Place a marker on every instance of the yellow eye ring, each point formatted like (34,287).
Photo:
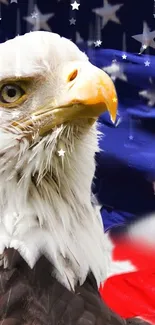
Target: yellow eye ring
(11,93)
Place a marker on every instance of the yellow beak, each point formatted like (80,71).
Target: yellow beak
(87,92)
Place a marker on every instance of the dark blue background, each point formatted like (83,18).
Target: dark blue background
(131,14)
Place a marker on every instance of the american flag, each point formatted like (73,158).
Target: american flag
(85,22)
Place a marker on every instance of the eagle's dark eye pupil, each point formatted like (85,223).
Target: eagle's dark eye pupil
(11,92)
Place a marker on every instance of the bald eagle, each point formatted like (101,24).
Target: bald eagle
(52,246)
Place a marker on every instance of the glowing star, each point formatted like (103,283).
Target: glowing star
(75,5)
(5,2)
(61,153)
(34,15)
(15,114)
(146,39)
(149,94)
(40,21)
(97,43)
(147,63)
(115,71)
(124,56)
(108,12)
(72,21)
(114,100)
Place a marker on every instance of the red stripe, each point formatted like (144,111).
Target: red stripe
(132,294)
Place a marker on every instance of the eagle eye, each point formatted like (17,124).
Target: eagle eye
(11,93)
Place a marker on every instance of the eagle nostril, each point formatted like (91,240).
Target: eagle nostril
(73,75)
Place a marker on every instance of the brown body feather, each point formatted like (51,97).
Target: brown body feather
(35,297)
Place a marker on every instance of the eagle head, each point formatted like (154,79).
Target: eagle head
(50,98)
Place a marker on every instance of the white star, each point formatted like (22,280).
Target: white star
(13,1)
(5,2)
(146,39)
(98,43)
(149,94)
(75,5)
(15,114)
(61,153)
(72,21)
(34,14)
(40,21)
(115,71)
(114,100)
(108,12)
(124,56)
(147,63)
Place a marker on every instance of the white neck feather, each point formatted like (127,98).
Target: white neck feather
(45,203)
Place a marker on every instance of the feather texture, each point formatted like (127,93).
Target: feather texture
(42,209)
(35,297)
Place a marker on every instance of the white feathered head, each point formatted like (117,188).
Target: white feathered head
(50,97)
